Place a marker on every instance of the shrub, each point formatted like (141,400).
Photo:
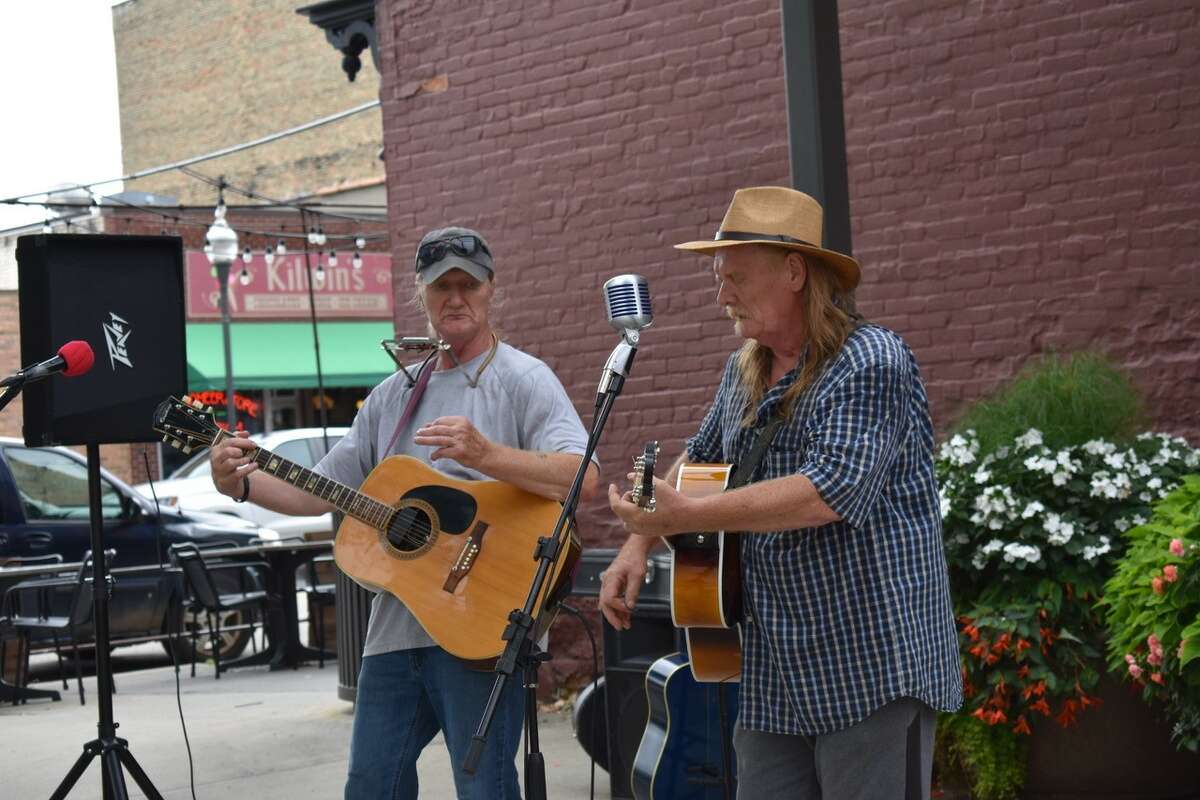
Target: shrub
(1153,611)
(1070,399)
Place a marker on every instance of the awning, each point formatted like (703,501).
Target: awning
(279,355)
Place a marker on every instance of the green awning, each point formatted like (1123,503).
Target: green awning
(279,355)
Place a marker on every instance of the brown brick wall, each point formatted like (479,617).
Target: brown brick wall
(1022,179)
(198,77)
(10,359)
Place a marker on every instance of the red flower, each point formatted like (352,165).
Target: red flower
(1066,717)
(1041,706)
(1022,726)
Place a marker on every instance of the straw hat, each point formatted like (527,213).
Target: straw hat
(777,216)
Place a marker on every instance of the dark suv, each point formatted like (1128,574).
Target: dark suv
(44,511)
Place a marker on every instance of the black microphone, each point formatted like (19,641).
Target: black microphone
(74,358)
(627,304)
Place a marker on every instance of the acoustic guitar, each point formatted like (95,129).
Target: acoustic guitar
(686,750)
(706,590)
(459,554)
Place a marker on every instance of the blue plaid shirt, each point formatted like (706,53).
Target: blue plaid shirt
(844,618)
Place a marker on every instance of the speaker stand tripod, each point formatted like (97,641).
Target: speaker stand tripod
(112,751)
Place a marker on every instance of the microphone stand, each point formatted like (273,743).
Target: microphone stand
(12,387)
(522,621)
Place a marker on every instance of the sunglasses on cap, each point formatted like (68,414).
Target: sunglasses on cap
(465,246)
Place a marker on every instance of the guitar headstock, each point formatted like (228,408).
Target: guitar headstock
(642,493)
(186,424)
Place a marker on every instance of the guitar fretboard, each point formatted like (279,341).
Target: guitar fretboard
(348,501)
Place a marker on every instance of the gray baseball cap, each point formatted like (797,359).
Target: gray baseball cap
(445,249)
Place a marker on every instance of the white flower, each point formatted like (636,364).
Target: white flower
(1098,447)
(1061,478)
(1033,508)
(991,547)
(1091,553)
(982,475)
(1031,438)
(945,504)
(1154,483)
(1138,519)
(1115,460)
(1026,552)
(979,561)
(959,451)
(1063,535)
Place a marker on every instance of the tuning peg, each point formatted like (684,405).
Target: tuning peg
(175,444)
(166,438)
(197,404)
(208,409)
(187,451)
(187,398)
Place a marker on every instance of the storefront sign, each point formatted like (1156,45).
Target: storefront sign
(280,290)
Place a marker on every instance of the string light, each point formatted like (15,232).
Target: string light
(244,276)
(357,260)
(332,259)
(46,227)
(269,256)
(280,248)
(312,235)
(94,208)
(360,242)
(247,256)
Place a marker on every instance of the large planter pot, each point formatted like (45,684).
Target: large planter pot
(1119,751)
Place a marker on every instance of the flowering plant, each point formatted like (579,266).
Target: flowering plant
(1031,535)
(1153,610)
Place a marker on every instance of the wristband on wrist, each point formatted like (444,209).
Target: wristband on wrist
(245,490)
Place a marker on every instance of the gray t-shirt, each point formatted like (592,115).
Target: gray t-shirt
(518,402)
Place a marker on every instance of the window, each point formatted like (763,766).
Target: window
(52,485)
(296,451)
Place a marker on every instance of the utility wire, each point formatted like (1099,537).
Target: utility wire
(225,151)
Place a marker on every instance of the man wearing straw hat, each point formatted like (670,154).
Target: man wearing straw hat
(848,641)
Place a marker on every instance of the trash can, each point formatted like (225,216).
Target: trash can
(353,611)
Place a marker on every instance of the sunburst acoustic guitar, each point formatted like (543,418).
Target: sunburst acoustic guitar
(706,592)
(459,554)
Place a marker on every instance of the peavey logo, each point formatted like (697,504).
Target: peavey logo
(116,332)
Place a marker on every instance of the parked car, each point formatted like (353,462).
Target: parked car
(190,487)
(44,511)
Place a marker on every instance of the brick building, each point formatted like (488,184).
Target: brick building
(1022,179)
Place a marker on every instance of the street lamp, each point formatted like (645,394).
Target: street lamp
(222,251)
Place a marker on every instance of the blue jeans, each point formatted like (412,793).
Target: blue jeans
(404,698)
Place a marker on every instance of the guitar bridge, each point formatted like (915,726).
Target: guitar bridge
(466,557)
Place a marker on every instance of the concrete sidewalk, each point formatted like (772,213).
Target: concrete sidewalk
(253,734)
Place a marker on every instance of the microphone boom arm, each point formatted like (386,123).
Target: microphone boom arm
(620,361)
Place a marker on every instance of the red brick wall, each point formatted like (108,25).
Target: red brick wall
(1022,179)
(10,359)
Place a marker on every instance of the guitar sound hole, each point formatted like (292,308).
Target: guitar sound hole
(410,529)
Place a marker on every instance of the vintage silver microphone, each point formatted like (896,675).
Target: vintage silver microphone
(627,304)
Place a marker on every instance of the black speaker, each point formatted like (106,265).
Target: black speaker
(627,657)
(123,295)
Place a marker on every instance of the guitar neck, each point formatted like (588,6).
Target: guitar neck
(350,502)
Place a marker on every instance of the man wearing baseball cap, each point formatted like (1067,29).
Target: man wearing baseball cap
(481,409)
(848,642)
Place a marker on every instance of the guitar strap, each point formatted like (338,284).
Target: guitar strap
(414,399)
(746,469)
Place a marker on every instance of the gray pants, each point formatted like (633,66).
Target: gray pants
(887,756)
